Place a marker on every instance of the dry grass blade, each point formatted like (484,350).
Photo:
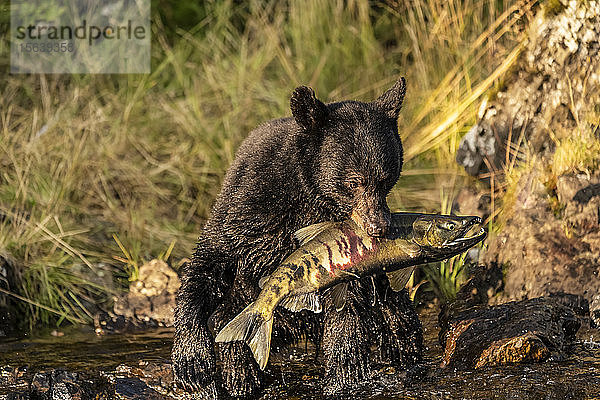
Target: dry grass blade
(432,134)
(476,52)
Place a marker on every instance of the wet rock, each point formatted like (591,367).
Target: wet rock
(555,81)
(578,304)
(158,376)
(65,385)
(135,389)
(109,323)
(12,381)
(149,303)
(528,347)
(148,381)
(8,318)
(542,252)
(526,331)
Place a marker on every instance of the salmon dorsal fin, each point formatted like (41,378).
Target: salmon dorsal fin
(399,278)
(339,294)
(305,301)
(306,234)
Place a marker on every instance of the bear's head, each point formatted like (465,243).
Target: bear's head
(352,153)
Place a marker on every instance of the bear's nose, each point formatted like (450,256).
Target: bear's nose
(375,230)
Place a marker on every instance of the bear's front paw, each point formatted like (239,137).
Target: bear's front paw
(194,363)
(241,374)
(400,331)
(346,346)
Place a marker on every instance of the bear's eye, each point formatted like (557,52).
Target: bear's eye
(353,184)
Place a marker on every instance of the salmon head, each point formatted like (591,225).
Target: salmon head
(439,236)
(442,236)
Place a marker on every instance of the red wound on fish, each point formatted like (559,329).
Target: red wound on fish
(351,247)
(331,268)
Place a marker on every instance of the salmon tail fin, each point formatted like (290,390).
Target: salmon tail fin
(251,327)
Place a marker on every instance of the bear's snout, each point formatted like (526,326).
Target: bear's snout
(379,225)
(376,230)
(373,220)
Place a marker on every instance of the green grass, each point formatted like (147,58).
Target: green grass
(87,159)
(447,277)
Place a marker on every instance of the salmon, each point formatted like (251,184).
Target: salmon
(333,253)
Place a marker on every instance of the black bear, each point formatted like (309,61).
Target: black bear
(325,163)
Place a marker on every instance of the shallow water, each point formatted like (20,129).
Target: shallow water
(81,349)
(295,374)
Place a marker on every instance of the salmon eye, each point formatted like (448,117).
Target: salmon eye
(448,226)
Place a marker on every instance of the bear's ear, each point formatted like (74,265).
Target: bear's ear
(391,101)
(307,110)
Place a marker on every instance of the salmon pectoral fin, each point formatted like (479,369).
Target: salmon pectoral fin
(339,294)
(398,279)
(410,249)
(251,327)
(305,301)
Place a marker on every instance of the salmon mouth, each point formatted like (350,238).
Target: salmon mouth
(468,236)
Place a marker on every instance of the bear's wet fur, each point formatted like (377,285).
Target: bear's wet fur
(325,163)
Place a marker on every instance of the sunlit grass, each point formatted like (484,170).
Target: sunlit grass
(578,153)
(462,49)
(140,158)
(445,278)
